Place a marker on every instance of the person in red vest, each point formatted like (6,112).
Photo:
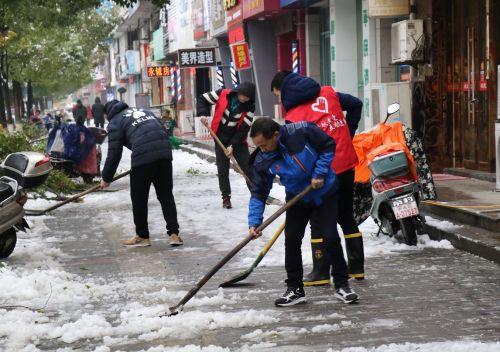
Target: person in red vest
(305,100)
(233,116)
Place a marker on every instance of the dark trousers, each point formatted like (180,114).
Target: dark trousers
(99,123)
(353,238)
(159,173)
(241,155)
(323,220)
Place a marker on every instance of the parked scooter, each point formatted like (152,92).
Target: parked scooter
(22,171)
(71,169)
(396,194)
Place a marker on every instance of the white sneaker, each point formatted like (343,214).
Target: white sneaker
(346,295)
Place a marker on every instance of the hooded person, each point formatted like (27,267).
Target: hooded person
(79,113)
(305,100)
(140,131)
(233,116)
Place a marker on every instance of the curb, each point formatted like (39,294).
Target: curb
(487,248)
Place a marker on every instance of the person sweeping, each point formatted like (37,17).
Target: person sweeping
(233,116)
(305,100)
(300,154)
(140,131)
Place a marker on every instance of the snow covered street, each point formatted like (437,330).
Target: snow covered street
(88,293)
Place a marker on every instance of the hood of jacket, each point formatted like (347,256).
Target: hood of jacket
(247,89)
(114,107)
(297,89)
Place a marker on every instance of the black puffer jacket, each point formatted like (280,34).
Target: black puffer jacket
(137,129)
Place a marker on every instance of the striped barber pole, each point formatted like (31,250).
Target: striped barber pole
(220,77)
(173,89)
(179,85)
(295,57)
(234,75)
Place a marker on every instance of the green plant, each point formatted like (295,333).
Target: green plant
(12,142)
(193,171)
(58,182)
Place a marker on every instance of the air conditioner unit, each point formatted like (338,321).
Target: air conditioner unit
(407,41)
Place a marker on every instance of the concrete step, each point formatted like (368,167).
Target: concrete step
(480,175)
(480,218)
(474,240)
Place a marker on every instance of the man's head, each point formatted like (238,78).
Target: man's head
(265,133)
(277,82)
(79,102)
(246,92)
(98,100)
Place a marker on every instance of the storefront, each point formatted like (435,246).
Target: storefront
(459,100)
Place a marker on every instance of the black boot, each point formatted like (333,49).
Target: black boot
(355,255)
(320,275)
(226,202)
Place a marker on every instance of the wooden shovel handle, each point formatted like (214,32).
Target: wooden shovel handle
(233,160)
(236,249)
(81,194)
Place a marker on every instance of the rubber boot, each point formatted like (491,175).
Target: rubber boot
(320,275)
(355,255)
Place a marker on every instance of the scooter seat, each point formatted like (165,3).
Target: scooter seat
(5,191)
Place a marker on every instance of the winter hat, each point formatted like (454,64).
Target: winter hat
(114,107)
(247,89)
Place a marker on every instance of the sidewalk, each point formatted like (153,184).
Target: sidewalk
(473,205)
(469,205)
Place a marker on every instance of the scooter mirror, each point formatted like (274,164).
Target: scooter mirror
(393,108)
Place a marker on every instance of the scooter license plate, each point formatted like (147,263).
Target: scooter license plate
(404,207)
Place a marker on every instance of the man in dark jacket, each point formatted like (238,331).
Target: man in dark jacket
(305,100)
(98,113)
(79,113)
(300,154)
(233,116)
(140,131)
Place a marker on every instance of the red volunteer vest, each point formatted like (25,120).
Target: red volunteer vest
(219,111)
(327,114)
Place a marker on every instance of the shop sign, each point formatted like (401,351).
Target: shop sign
(157,44)
(218,14)
(133,62)
(252,7)
(229,4)
(388,8)
(236,35)
(241,56)
(234,16)
(199,57)
(159,71)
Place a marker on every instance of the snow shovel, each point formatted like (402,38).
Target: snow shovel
(73,198)
(243,275)
(177,308)
(270,200)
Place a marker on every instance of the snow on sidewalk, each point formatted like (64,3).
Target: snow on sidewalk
(73,308)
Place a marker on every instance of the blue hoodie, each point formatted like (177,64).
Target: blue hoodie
(304,152)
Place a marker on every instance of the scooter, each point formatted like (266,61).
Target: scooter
(69,167)
(22,171)
(396,194)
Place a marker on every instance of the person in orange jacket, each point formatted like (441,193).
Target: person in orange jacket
(305,100)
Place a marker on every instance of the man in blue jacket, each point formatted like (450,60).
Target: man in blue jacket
(305,100)
(140,131)
(300,154)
